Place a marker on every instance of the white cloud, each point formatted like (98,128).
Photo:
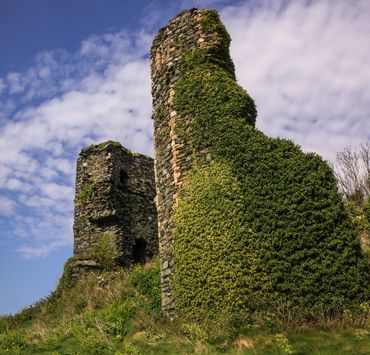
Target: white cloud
(306,65)
(18,185)
(304,62)
(30,252)
(7,206)
(100,92)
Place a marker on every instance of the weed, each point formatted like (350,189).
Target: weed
(80,305)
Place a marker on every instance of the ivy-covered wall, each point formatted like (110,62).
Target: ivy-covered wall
(246,222)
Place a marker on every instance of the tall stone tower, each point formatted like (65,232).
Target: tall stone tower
(172,160)
(245,221)
(115,199)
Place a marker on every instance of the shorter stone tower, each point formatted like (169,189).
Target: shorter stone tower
(115,194)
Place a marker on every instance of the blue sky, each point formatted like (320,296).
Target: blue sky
(74,73)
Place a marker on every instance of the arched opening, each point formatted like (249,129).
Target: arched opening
(123,178)
(139,251)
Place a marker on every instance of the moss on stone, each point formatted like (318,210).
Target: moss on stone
(102,146)
(85,194)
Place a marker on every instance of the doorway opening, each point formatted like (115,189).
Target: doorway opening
(139,251)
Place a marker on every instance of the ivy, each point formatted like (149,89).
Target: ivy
(217,40)
(263,224)
(218,263)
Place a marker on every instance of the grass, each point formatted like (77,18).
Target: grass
(350,340)
(119,313)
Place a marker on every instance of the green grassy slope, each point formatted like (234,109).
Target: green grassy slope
(119,313)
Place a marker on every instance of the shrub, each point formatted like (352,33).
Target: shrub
(66,281)
(90,339)
(4,324)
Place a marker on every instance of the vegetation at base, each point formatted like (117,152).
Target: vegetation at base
(95,314)
(119,313)
(263,227)
(102,253)
(66,281)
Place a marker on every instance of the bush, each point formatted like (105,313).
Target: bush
(90,339)
(4,324)
(66,281)
(103,252)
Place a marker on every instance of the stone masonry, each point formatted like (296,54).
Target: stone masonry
(171,158)
(115,199)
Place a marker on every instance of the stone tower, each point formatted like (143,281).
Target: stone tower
(115,199)
(246,222)
(172,160)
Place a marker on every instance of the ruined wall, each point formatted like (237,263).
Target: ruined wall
(115,200)
(171,158)
(246,222)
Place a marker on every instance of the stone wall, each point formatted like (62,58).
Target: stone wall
(115,199)
(171,158)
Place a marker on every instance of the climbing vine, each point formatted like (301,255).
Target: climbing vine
(263,224)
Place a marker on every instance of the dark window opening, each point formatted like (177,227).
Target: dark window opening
(123,178)
(139,251)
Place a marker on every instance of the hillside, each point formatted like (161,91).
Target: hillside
(119,312)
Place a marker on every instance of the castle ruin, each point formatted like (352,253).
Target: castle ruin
(242,221)
(115,199)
